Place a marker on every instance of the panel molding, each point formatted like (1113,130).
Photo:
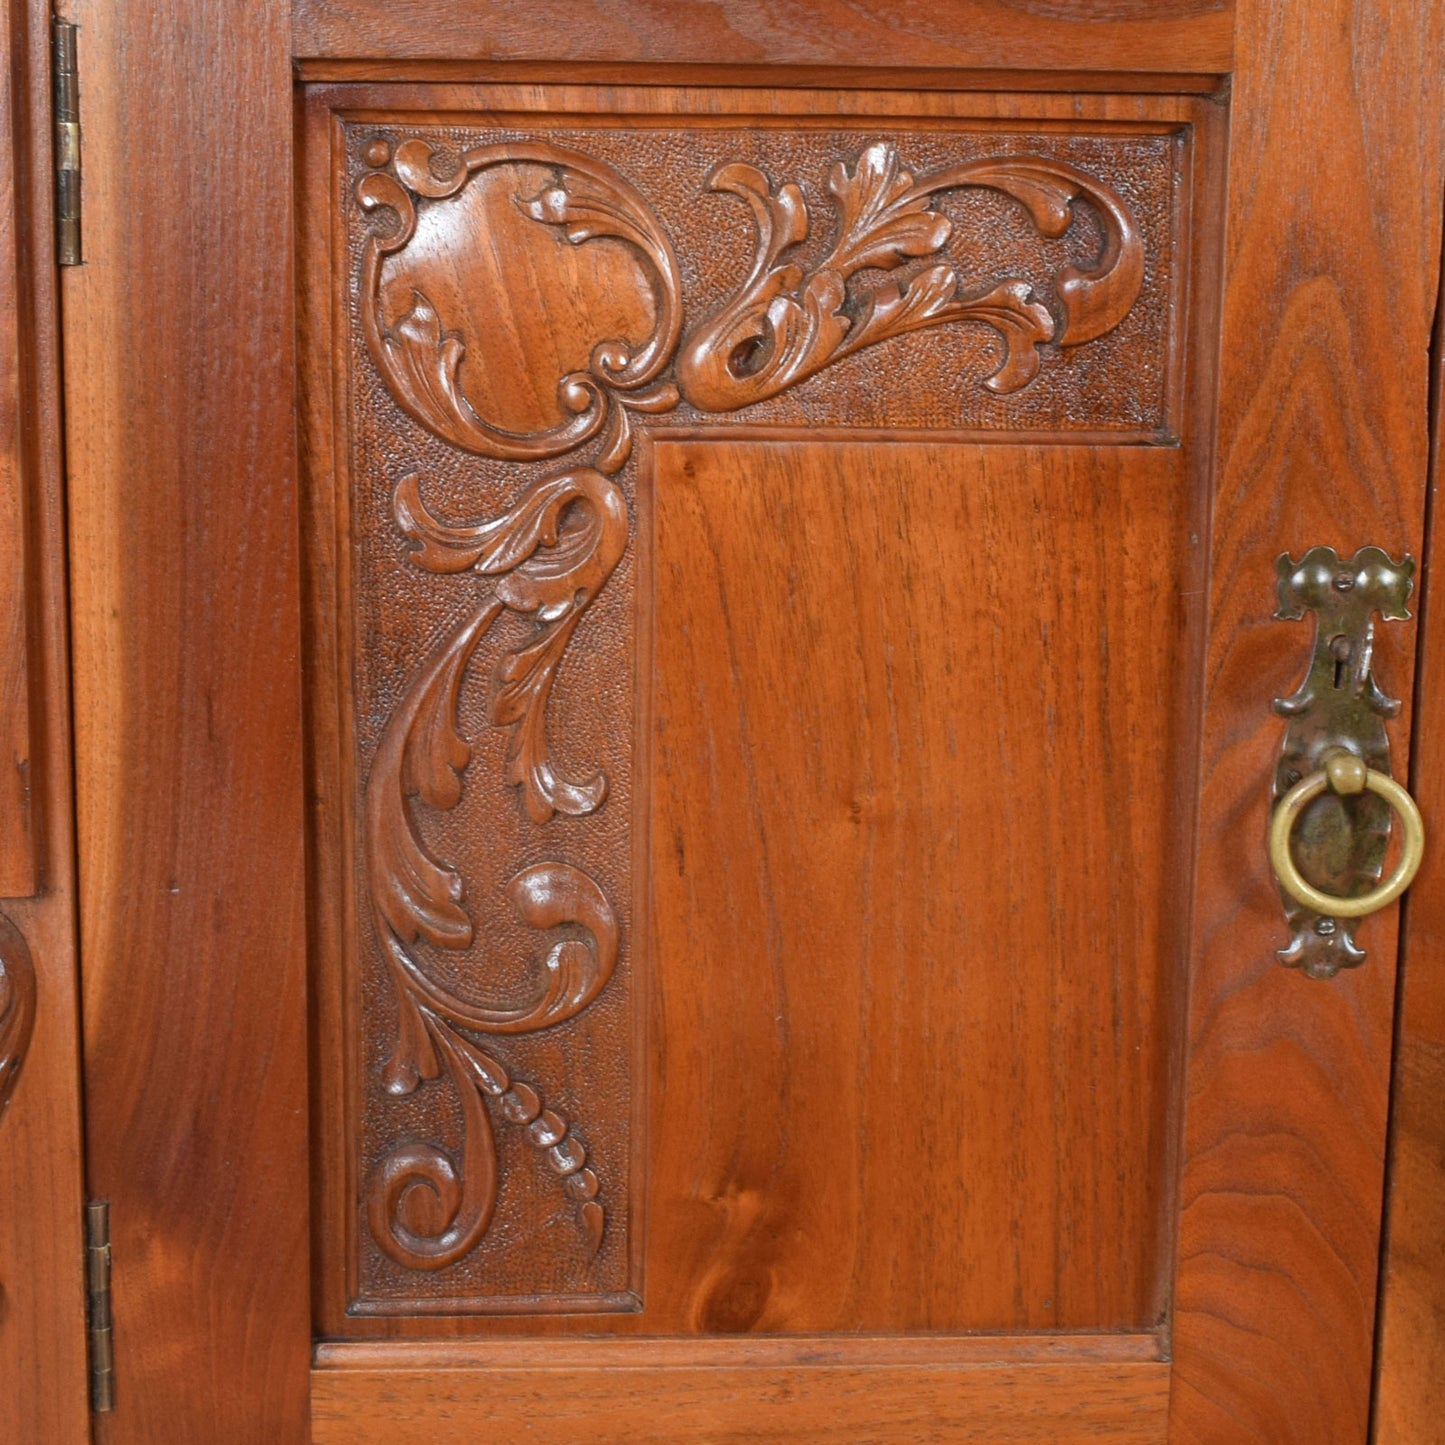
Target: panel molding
(448,500)
(1038,1390)
(745,1351)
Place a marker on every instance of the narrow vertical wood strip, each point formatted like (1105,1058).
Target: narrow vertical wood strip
(1410,1363)
(180,409)
(1333,237)
(17,843)
(42,1302)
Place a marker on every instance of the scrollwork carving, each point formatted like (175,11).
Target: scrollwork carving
(467,1195)
(551,553)
(786,324)
(420,362)
(883,274)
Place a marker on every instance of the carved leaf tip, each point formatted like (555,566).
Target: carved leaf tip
(883,222)
(1024,324)
(595,1222)
(423,364)
(781,215)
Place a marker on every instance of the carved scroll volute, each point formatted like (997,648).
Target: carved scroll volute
(421,361)
(785,324)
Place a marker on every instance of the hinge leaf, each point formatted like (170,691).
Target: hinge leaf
(97,1289)
(66,95)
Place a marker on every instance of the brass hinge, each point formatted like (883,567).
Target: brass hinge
(67,143)
(97,1288)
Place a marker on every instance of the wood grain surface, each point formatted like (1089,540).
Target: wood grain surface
(1135,35)
(913,740)
(997,1071)
(1332,264)
(183,512)
(1410,1359)
(823,1147)
(43,1388)
(1063,1390)
(19,402)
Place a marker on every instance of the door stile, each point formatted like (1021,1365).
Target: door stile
(180,397)
(1330,270)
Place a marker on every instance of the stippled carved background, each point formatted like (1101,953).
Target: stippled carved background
(470,1196)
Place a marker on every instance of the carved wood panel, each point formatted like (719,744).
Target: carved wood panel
(516,302)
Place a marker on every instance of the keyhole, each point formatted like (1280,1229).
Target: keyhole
(1340,650)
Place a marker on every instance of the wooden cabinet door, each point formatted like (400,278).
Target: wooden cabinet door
(674,652)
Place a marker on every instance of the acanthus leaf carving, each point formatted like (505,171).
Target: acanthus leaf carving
(551,554)
(784,325)
(556,585)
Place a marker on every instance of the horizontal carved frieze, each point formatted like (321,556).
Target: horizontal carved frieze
(1032,255)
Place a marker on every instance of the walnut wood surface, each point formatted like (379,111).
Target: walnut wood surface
(183,512)
(1410,1358)
(741,1351)
(1064,1390)
(468,361)
(43,1389)
(1135,35)
(910,1001)
(1332,268)
(828,77)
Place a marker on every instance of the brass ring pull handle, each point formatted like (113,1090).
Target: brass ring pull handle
(1345,773)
